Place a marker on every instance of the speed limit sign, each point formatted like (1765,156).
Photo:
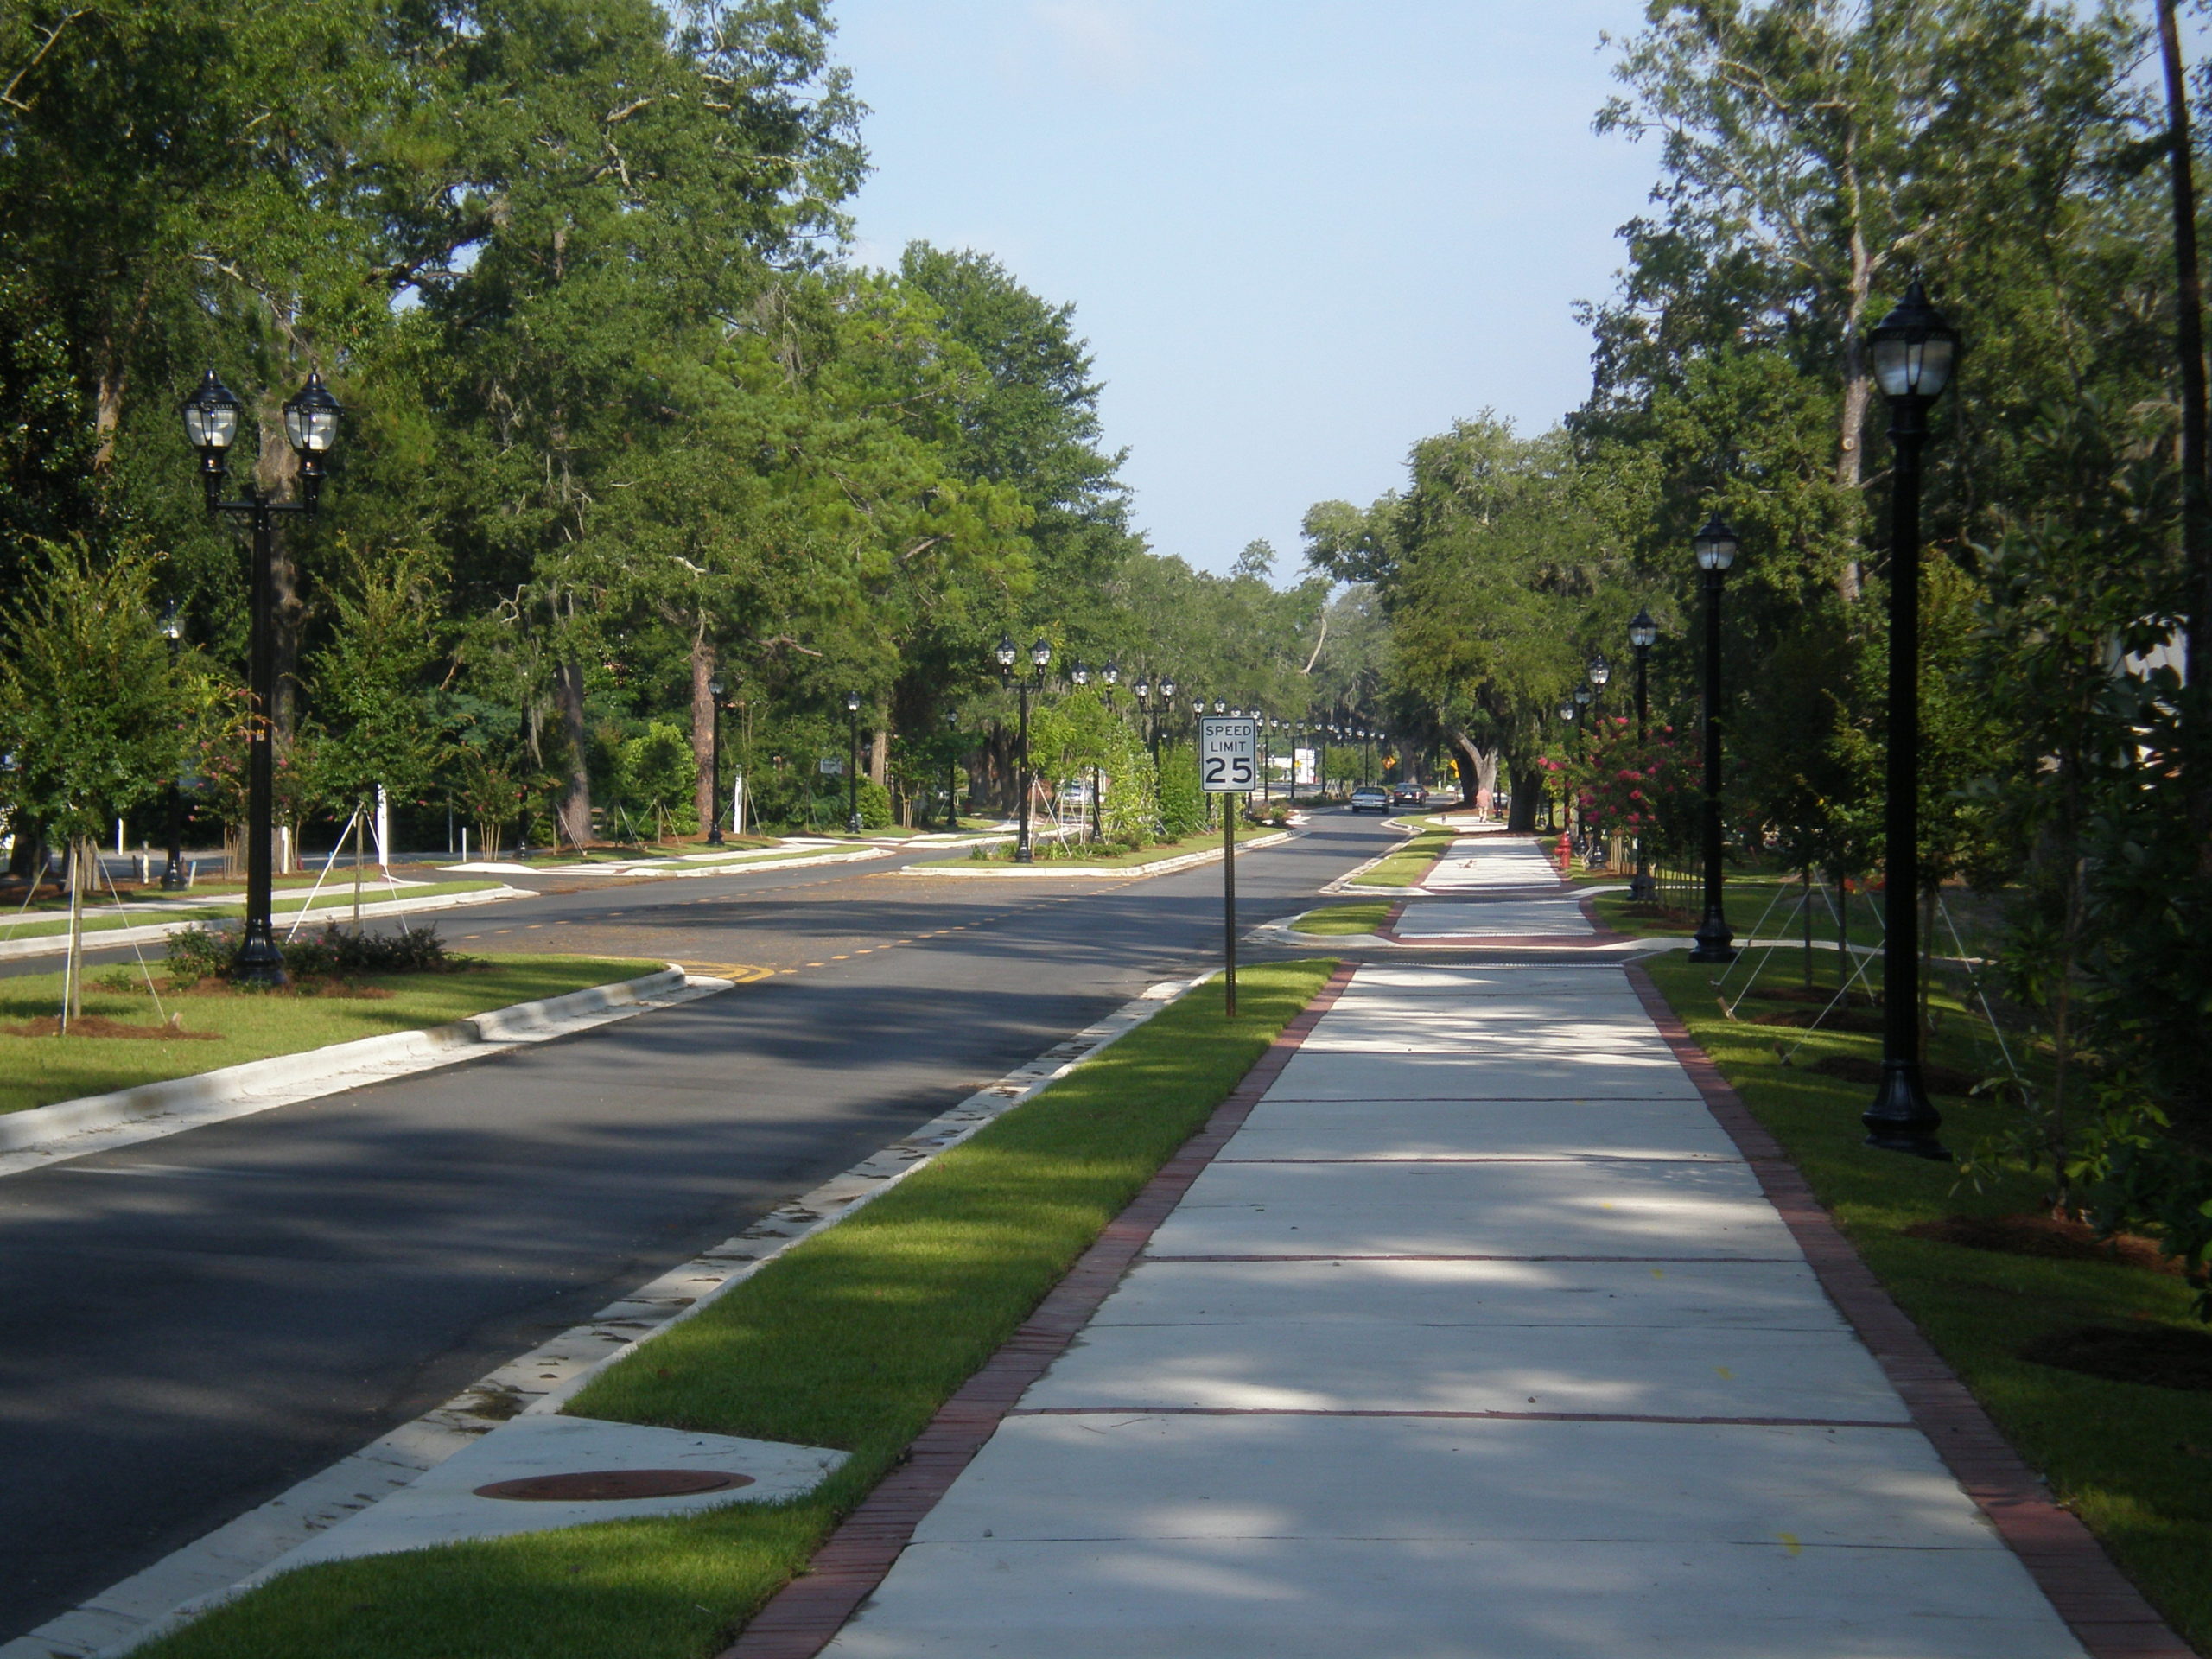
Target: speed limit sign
(1229,754)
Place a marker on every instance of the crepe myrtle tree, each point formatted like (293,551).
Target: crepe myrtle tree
(96,713)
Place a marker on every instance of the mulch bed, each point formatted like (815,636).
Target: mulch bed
(1853,1068)
(94,1025)
(2163,1356)
(2050,1236)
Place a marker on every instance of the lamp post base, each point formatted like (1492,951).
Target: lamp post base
(715,836)
(852,825)
(172,878)
(1902,1118)
(1023,856)
(1642,889)
(1715,943)
(259,961)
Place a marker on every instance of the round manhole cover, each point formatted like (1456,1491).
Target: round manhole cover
(605,1486)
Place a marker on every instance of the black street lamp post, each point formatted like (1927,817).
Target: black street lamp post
(1643,633)
(852,763)
(1040,655)
(1568,709)
(211,423)
(1914,352)
(714,792)
(1715,546)
(173,875)
(952,769)
(1081,676)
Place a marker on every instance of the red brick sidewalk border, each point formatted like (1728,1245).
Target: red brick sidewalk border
(800,1619)
(2106,1613)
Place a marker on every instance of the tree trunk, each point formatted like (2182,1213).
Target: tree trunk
(1527,789)
(1471,761)
(2197,508)
(575,801)
(72,979)
(708,790)
(1857,387)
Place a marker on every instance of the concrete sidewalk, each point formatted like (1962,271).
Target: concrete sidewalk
(1479,1337)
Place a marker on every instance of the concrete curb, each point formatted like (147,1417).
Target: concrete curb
(1162,867)
(71,1128)
(56,945)
(203,1574)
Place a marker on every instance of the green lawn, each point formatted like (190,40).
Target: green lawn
(853,1339)
(1766,905)
(2133,1460)
(38,1071)
(1205,842)
(1408,866)
(1335,919)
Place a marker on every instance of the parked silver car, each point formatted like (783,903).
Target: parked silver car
(1371,798)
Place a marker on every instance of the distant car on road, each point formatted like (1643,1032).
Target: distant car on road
(1409,794)
(1371,798)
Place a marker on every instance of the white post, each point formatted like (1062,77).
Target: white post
(118,837)
(464,843)
(383,832)
(737,802)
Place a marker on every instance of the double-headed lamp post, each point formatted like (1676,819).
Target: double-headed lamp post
(714,792)
(852,763)
(1599,672)
(952,769)
(211,425)
(1568,709)
(1914,352)
(1715,546)
(1040,657)
(173,876)
(1643,634)
(1081,676)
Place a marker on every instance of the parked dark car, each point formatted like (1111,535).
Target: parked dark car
(1371,798)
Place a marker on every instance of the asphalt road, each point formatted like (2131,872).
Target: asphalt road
(190,1326)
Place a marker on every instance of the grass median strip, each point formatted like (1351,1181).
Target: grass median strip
(1411,863)
(39,1071)
(853,1339)
(1336,920)
(2134,1459)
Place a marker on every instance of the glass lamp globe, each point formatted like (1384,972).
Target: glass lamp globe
(1715,546)
(1914,349)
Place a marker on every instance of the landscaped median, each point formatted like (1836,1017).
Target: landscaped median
(1156,860)
(224,1027)
(2086,1355)
(851,1339)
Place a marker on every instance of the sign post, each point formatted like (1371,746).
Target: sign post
(1229,763)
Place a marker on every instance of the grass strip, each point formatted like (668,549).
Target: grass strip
(1335,919)
(852,1339)
(2135,1461)
(39,1071)
(1410,864)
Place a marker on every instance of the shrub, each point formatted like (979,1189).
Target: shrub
(198,953)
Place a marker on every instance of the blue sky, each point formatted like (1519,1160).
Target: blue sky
(1297,235)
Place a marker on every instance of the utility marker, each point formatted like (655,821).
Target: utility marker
(1229,763)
